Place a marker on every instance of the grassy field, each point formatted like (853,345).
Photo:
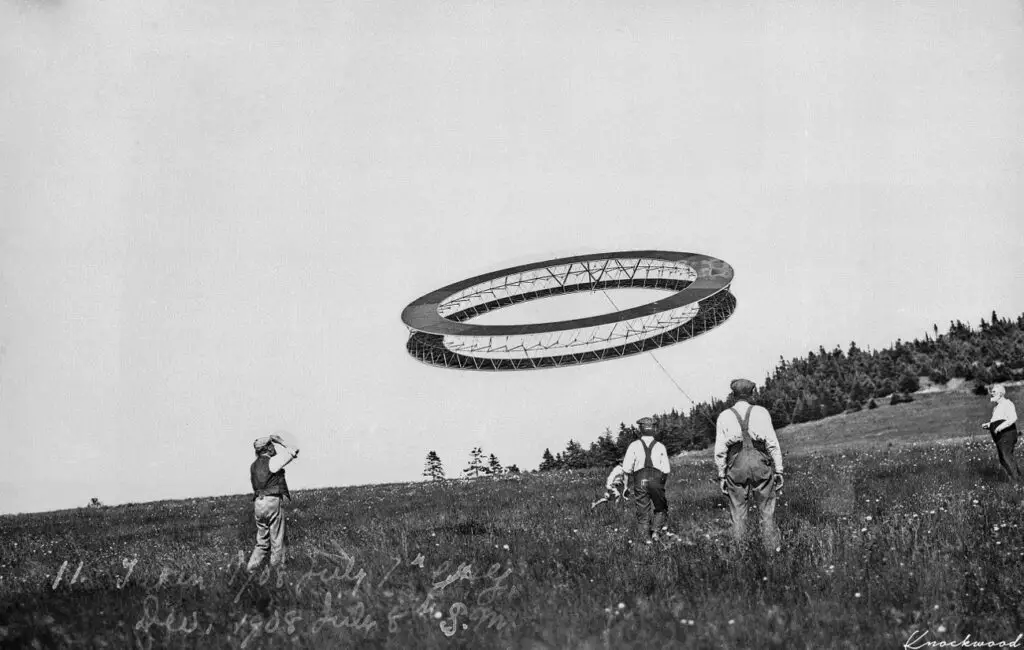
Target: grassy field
(896,524)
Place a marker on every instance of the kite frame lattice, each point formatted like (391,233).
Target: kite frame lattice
(441,335)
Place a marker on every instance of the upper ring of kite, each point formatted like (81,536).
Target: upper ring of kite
(440,333)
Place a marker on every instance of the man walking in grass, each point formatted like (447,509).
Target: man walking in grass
(749,463)
(1003,427)
(269,486)
(646,462)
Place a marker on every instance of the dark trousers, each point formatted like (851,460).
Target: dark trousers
(651,505)
(1005,441)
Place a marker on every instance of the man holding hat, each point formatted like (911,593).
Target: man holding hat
(646,462)
(749,463)
(269,487)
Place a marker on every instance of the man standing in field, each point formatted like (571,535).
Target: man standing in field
(749,463)
(1003,427)
(269,487)
(646,462)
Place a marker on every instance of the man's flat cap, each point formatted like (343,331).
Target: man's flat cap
(742,387)
(648,421)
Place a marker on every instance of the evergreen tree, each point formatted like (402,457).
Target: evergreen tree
(574,457)
(604,452)
(493,466)
(547,461)
(476,467)
(433,469)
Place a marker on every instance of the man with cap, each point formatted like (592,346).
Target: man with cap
(646,462)
(269,487)
(749,463)
(1003,427)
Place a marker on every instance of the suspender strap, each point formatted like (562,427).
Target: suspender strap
(748,443)
(647,454)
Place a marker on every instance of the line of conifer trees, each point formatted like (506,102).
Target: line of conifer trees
(478,466)
(829,382)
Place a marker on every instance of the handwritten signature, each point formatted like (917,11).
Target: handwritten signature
(917,641)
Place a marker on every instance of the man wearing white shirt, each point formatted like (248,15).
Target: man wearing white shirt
(614,486)
(1003,427)
(269,486)
(646,462)
(749,463)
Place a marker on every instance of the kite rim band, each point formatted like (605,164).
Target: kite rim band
(712,276)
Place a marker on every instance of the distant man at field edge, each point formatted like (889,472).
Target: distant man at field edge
(1003,427)
(749,463)
(269,487)
(646,462)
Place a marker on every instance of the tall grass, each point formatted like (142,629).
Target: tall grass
(879,545)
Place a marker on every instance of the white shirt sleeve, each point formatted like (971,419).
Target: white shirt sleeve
(629,462)
(283,457)
(616,477)
(659,457)
(721,441)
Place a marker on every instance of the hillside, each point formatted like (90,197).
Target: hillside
(932,416)
(880,543)
(827,383)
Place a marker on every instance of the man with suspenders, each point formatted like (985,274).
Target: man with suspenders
(646,462)
(749,463)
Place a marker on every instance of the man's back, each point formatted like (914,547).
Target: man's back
(636,455)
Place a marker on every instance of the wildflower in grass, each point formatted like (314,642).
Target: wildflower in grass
(856,595)
(940,629)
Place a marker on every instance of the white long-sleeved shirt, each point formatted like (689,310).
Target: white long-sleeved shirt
(634,460)
(1004,410)
(616,479)
(278,461)
(728,431)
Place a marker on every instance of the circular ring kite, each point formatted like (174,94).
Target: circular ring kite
(441,335)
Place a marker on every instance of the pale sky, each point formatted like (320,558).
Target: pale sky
(213,213)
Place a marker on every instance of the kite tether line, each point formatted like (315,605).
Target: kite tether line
(667,373)
(651,352)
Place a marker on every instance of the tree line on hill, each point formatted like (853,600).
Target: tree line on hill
(433,468)
(829,382)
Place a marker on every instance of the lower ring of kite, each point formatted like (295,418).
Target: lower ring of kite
(441,334)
